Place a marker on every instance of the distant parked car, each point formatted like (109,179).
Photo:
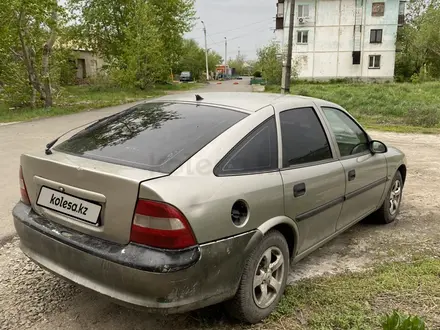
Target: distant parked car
(186,76)
(184,201)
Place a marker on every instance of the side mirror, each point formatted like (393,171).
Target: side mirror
(377,147)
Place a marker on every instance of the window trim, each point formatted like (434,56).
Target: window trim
(375,36)
(374,61)
(302,32)
(335,142)
(315,163)
(303,5)
(217,168)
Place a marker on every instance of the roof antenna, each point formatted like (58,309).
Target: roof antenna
(199,98)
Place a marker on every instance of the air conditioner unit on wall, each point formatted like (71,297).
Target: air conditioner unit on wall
(301,20)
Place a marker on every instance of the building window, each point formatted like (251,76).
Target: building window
(378,9)
(279,23)
(374,62)
(375,36)
(302,37)
(401,20)
(303,10)
(356,57)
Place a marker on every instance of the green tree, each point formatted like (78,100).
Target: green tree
(419,41)
(238,64)
(214,59)
(270,63)
(27,36)
(141,40)
(193,59)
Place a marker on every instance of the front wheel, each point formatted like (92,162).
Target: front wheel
(391,206)
(263,281)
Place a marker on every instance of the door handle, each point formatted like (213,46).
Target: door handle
(351,175)
(299,189)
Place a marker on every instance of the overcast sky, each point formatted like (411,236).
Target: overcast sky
(248,25)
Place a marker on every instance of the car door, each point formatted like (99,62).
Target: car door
(365,173)
(312,176)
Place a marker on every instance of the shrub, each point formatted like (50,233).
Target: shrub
(397,321)
(426,117)
(257,74)
(415,78)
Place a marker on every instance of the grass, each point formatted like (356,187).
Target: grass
(350,301)
(359,301)
(72,99)
(397,107)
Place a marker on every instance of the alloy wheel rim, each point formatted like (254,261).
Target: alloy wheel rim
(268,277)
(395,196)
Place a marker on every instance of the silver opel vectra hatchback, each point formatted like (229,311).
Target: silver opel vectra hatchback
(191,200)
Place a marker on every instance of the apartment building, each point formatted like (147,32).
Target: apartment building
(342,38)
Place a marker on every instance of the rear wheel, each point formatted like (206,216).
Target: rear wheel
(263,281)
(391,206)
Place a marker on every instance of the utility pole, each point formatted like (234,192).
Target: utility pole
(226,55)
(287,67)
(206,52)
(238,51)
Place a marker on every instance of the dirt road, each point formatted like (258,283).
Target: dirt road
(32,298)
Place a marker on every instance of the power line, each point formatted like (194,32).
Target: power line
(238,28)
(238,37)
(211,39)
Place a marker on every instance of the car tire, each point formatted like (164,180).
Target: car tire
(389,210)
(253,301)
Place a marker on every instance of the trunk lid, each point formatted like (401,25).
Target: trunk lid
(109,191)
(98,170)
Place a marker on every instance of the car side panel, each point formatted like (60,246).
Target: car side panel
(395,159)
(364,193)
(317,211)
(207,201)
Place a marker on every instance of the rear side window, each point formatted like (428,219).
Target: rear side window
(153,136)
(304,139)
(257,152)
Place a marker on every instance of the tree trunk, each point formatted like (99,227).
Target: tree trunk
(47,49)
(33,97)
(29,63)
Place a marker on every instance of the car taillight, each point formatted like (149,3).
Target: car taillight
(23,190)
(161,225)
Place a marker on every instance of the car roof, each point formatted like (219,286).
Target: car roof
(248,102)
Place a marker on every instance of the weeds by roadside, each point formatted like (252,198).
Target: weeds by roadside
(401,107)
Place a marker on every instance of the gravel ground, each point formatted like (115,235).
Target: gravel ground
(30,298)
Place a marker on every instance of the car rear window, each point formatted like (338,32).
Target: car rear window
(153,136)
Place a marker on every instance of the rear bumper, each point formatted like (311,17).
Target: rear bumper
(159,280)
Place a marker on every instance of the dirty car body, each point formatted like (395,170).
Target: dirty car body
(180,193)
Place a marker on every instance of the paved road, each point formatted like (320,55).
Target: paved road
(20,138)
